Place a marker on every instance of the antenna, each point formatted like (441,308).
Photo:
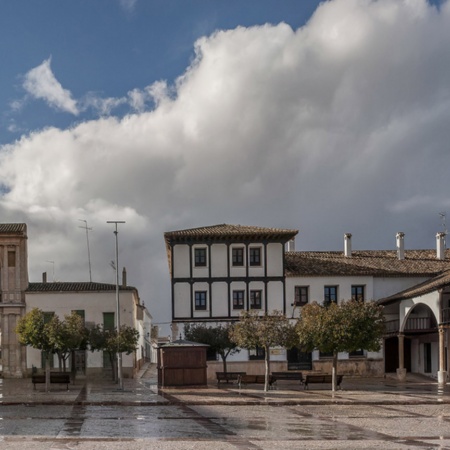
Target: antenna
(53,269)
(87,240)
(444,226)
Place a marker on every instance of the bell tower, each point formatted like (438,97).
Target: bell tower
(13,283)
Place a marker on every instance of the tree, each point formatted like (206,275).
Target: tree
(111,342)
(264,331)
(67,336)
(344,327)
(34,330)
(218,339)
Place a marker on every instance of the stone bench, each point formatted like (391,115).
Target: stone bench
(322,379)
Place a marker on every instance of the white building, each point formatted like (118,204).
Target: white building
(218,271)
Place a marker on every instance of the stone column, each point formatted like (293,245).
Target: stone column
(401,371)
(442,374)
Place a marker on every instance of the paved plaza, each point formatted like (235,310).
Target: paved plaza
(368,413)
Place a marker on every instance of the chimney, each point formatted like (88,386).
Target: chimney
(291,245)
(124,277)
(400,245)
(347,244)
(440,245)
(44,277)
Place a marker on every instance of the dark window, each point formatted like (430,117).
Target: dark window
(301,295)
(256,353)
(11,258)
(358,293)
(238,299)
(200,257)
(330,295)
(359,352)
(255,300)
(200,300)
(255,256)
(44,360)
(211,355)
(326,354)
(237,256)
(48,316)
(108,321)
(80,312)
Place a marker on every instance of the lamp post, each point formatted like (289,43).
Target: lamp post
(119,354)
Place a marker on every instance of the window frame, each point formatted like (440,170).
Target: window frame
(255,294)
(200,257)
(256,354)
(201,300)
(255,256)
(358,296)
(327,296)
(235,299)
(299,293)
(237,256)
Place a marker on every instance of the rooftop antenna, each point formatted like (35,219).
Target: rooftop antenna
(87,240)
(53,269)
(444,225)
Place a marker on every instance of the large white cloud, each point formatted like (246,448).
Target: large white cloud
(340,126)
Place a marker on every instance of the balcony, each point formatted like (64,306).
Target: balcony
(413,324)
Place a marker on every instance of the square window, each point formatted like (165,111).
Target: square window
(256,353)
(200,257)
(238,299)
(255,300)
(301,295)
(358,293)
(255,256)
(237,256)
(200,300)
(330,294)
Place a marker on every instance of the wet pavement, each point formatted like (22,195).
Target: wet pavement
(367,413)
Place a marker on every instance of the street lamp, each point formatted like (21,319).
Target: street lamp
(119,354)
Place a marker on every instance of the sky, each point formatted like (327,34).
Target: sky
(325,117)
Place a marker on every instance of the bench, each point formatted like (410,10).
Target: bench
(253,379)
(290,376)
(228,376)
(316,379)
(55,378)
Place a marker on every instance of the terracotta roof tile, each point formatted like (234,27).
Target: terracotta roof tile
(75,287)
(13,228)
(377,263)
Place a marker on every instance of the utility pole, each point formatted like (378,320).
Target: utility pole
(87,240)
(119,354)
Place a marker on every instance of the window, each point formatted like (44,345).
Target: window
(237,256)
(200,300)
(330,295)
(301,295)
(255,256)
(108,321)
(256,353)
(200,257)
(255,300)
(358,293)
(359,352)
(80,312)
(11,258)
(238,299)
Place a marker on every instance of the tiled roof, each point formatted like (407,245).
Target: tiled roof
(435,283)
(13,228)
(377,263)
(75,287)
(226,231)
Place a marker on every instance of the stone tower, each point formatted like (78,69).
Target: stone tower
(13,283)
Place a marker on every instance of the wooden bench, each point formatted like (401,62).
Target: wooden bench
(253,379)
(290,376)
(228,376)
(55,378)
(318,379)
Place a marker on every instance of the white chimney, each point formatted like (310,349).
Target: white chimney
(440,245)
(347,244)
(400,245)
(291,245)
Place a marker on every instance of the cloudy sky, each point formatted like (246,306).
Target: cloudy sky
(327,117)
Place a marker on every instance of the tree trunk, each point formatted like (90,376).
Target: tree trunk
(48,355)
(267,363)
(224,362)
(334,372)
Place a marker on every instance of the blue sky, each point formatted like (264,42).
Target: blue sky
(109,47)
(329,118)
